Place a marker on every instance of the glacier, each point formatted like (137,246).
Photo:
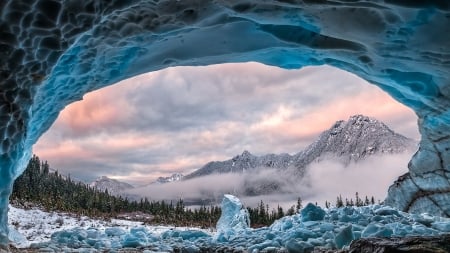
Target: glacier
(54,52)
(312,227)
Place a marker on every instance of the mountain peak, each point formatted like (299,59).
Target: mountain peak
(360,117)
(114,187)
(348,141)
(356,138)
(246,153)
(172,178)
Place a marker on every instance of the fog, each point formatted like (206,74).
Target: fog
(371,177)
(323,181)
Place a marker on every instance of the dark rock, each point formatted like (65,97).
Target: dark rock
(432,244)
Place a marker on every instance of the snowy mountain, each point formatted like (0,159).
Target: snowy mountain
(114,187)
(352,140)
(242,163)
(172,178)
(348,141)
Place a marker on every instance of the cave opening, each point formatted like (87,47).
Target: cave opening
(131,131)
(53,55)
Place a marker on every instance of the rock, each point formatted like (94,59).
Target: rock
(435,244)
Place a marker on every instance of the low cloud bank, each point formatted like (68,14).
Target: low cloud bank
(323,181)
(371,177)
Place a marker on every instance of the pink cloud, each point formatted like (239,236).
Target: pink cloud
(292,126)
(99,109)
(62,150)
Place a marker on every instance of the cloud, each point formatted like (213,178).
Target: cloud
(212,187)
(369,177)
(323,181)
(180,118)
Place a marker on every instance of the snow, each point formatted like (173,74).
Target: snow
(172,178)
(332,228)
(36,226)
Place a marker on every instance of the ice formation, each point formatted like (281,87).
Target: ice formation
(333,228)
(53,52)
(233,220)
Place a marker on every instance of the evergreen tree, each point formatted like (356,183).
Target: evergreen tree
(366,201)
(299,205)
(358,200)
(291,211)
(280,212)
(339,202)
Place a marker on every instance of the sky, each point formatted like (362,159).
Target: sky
(178,119)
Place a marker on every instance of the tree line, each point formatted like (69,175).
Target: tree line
(54,192)
(349,202)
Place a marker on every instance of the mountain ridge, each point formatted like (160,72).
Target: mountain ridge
(114,187)
(348,141)
(172,178)
(345,142)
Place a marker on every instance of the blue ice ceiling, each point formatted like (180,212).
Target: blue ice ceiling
(53,52)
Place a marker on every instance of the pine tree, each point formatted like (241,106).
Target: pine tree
(339,202)
(291,211)
(366,201)
(299,205)
(280,212)
(358,201)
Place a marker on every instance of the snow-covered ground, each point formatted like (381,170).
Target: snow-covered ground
(36,226)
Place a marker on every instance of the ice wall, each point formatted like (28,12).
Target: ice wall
(52,52)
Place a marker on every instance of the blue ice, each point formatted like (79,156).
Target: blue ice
(297,233)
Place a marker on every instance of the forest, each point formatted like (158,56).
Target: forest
(45,188)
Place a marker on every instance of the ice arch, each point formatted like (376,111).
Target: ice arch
(52,52)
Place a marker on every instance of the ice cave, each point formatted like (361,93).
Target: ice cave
(53,52)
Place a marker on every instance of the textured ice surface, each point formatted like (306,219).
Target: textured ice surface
(38,226)
(52,53)
(312,212)
(234,219)
(333,228)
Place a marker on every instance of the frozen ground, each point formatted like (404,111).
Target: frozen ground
(332,228)
(36,226)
